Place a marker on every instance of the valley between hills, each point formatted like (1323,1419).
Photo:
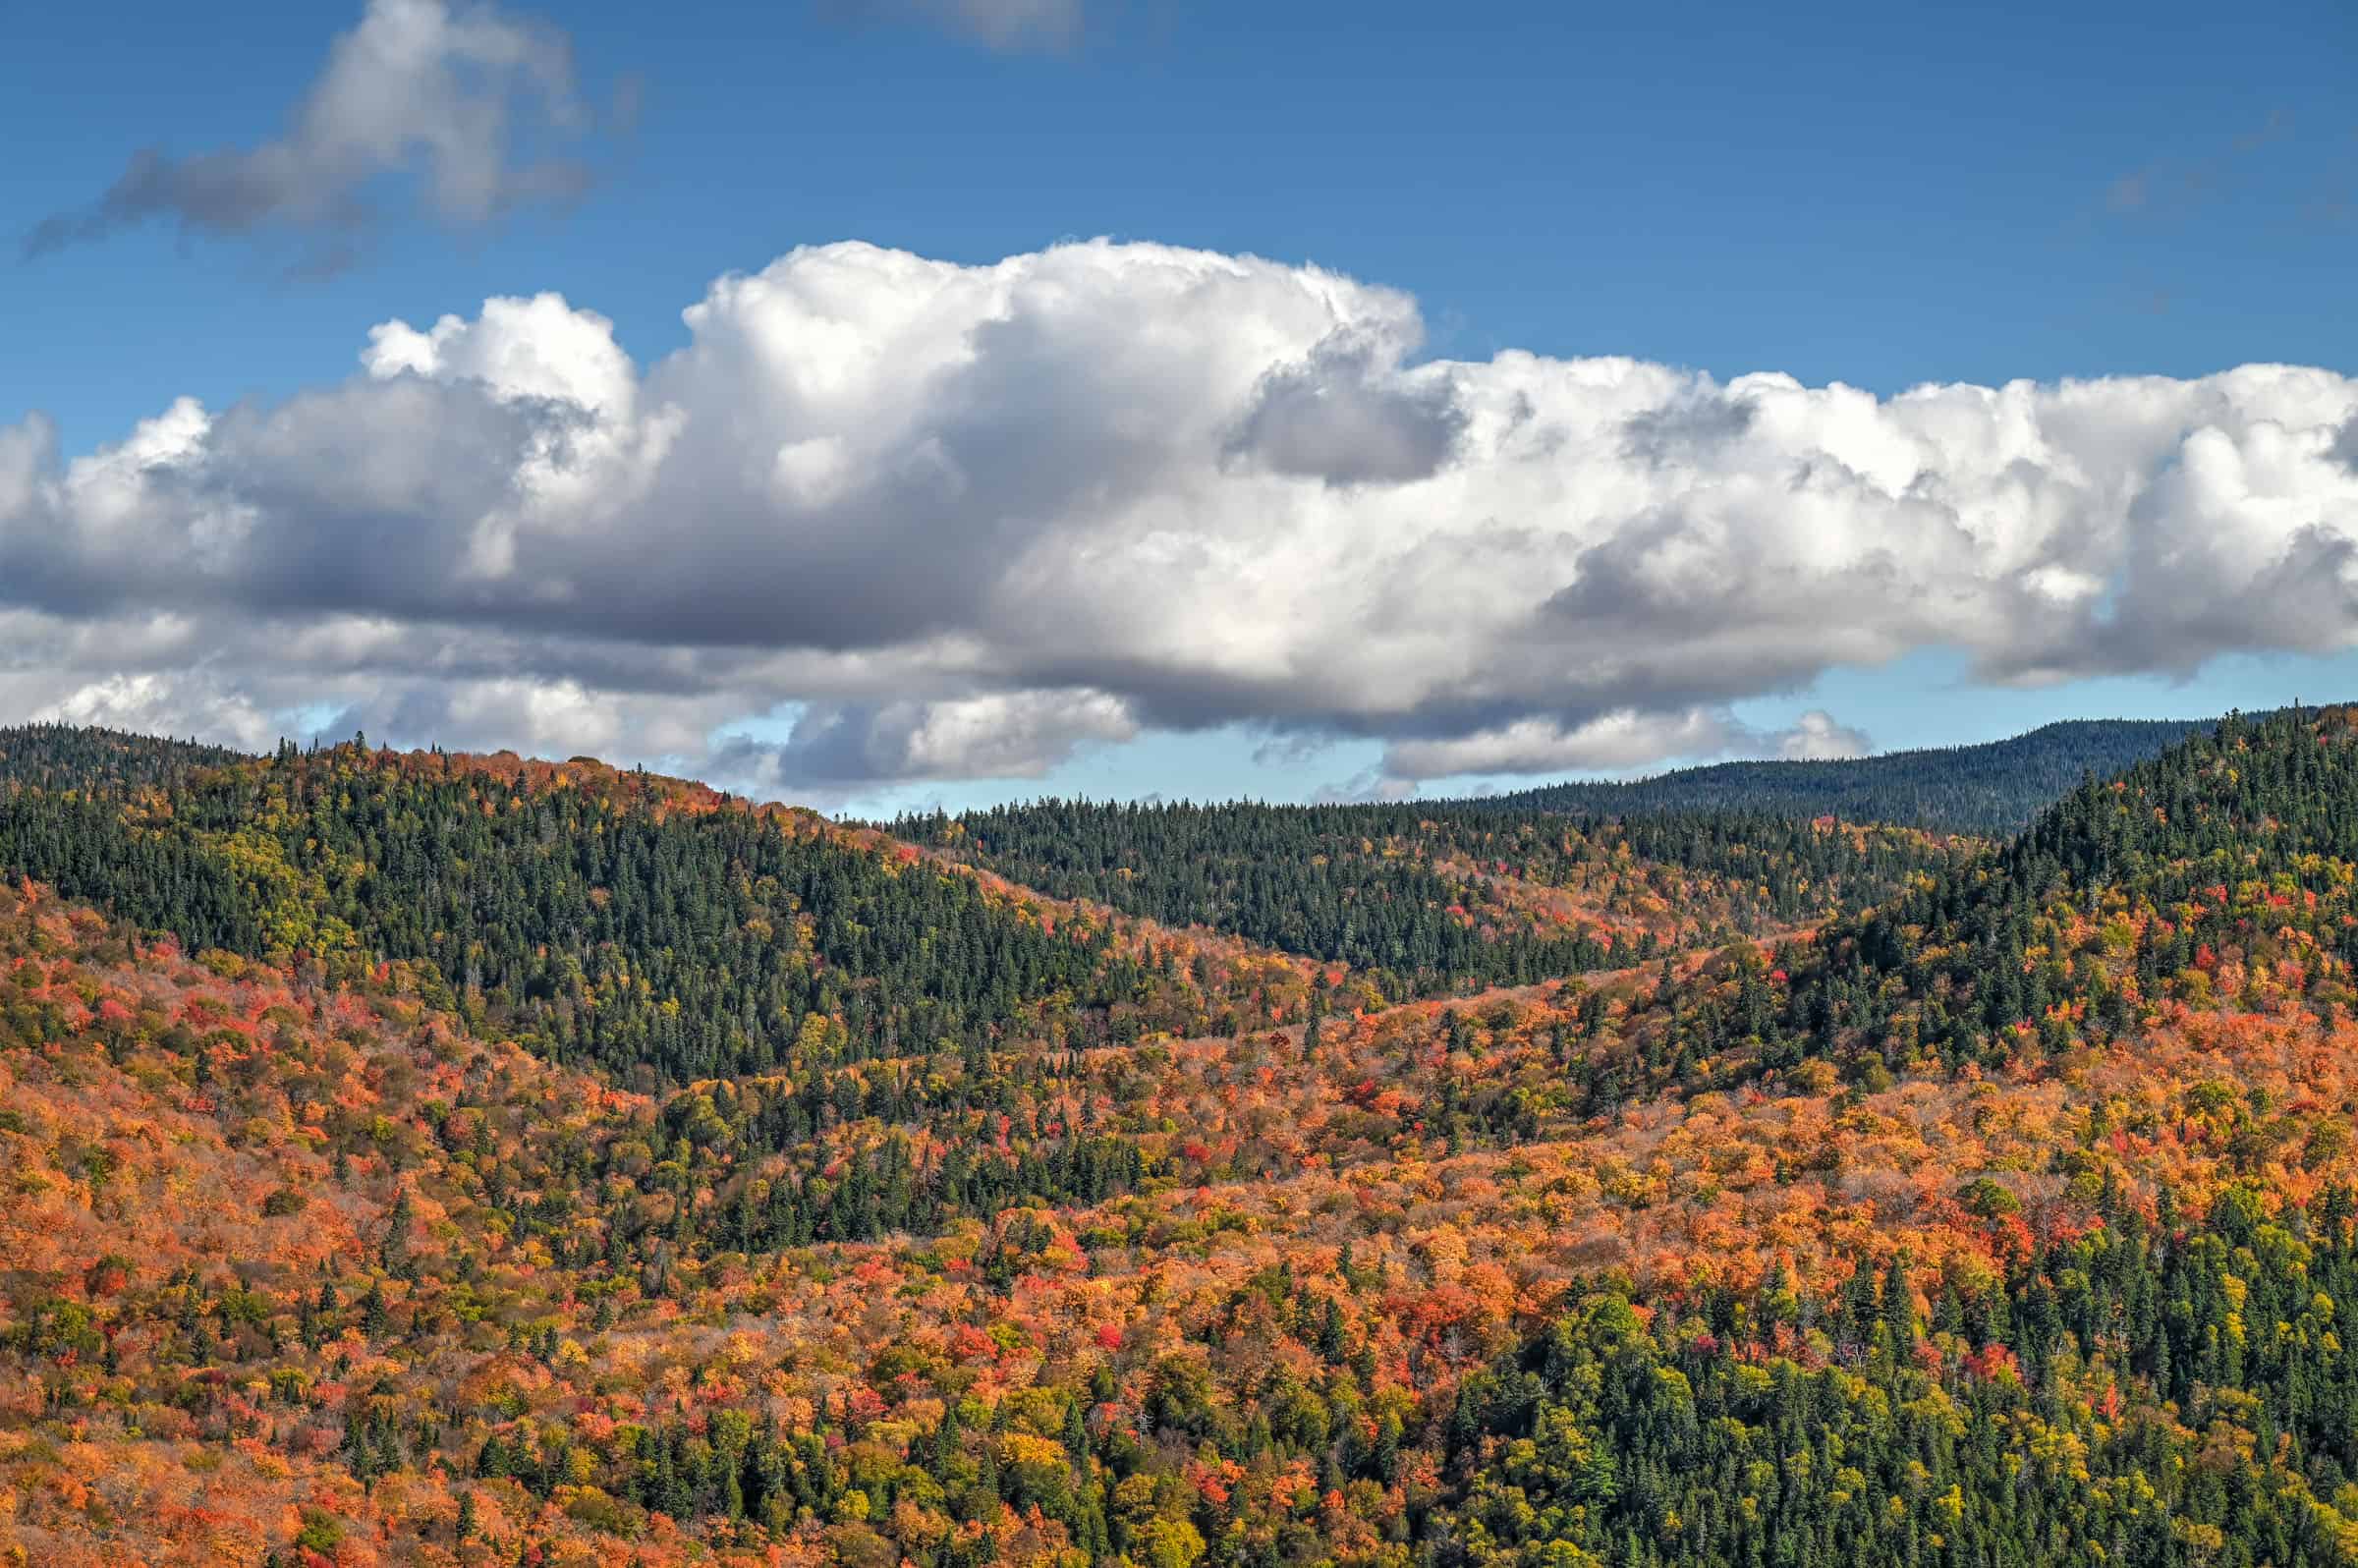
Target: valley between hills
(1945,1158)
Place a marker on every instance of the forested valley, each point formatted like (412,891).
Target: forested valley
(423,1157)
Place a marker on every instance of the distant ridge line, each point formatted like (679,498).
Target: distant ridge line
(1992,787)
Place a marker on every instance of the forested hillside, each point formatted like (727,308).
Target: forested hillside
(616,917)
(2219,873)
(1990,789)
(1426,897)
(2009,1221)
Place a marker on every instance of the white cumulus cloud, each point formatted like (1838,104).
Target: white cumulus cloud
(965,517)
(1817,738)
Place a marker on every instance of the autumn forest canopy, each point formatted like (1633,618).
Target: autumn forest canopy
(1230,842)
(1946,1158)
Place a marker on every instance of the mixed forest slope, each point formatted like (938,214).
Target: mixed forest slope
(2219,873)
(1974,1228)
(644,924)
(304,1270)
(1423,897)
(1995,788)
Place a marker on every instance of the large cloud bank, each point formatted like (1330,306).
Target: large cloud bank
(975,516)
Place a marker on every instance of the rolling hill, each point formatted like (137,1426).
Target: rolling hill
(1429,898)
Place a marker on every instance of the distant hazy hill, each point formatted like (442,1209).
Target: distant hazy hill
(1995,788)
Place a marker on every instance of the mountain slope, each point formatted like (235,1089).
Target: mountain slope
(618,918)
(294,1269)
(2221,873)
(1427,898)
(2216,878)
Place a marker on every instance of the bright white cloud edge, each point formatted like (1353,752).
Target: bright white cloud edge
(965,519)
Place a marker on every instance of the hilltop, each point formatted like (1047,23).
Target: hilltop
(63,756)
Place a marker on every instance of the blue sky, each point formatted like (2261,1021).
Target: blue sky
(1876,196)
